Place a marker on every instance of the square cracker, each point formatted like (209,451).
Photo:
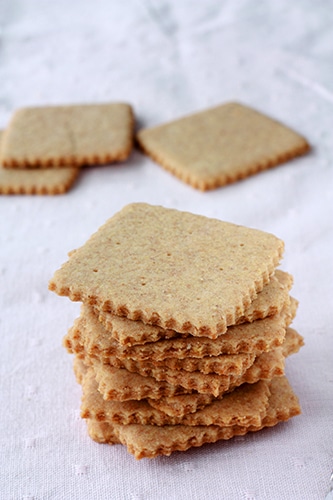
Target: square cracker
(36,181)
(149,441)
(270,301)
(54,136)
(121,385)
(189,403)
(250,338)
(175,269)
(220,145)
(245,405)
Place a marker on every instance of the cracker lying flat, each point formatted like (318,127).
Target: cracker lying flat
(47,181)
(189,403)
(181,271)
(77,135)
(259,336)
(221,145)
(151,441)
(269,301)
(244,406)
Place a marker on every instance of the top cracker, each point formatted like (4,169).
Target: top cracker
(77,135)
(175,269)
(221,145)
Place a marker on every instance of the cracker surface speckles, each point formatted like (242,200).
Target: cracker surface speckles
(175,269)
(220,145)
(76,135)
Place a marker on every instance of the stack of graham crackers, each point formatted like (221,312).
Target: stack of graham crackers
(183,332)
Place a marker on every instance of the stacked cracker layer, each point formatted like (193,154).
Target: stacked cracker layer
(183,332)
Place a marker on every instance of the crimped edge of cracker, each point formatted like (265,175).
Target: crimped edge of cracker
(76,161)
(106,433)
(223,179)
(61,188)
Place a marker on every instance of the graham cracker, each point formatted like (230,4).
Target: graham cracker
(36,181)
(149,441)
(224,364)
(178,270)
(221,145)
(189,403)
(179,406)
(197,381)
(246,405)
(257,337)
(54,136)
(292,343)
(269,301)
(129,333)
(121,385)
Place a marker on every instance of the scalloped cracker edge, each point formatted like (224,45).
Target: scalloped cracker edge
(174,269)
(221,145)
(76,135)
(270,301)
(148,441)
(35,181)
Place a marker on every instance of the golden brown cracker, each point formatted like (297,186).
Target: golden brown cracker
(53,136)
(149,441)
(189,403)
(259,336)
(175,269)
(121,385)
(246,405)
(181,405)
(269,301)
(36,181)
(225,364)
(293,342)
(221,145)
(130,333)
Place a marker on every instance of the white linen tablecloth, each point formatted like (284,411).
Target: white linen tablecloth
(167,59)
